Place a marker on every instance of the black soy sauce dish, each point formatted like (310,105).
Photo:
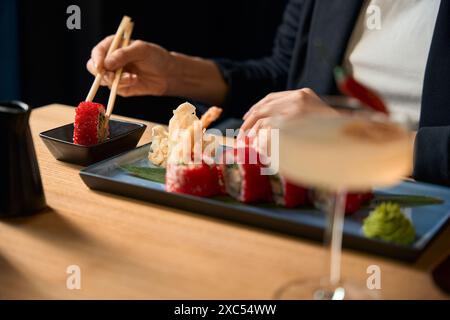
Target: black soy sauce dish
(123,136)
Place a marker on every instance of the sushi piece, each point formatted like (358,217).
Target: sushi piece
(353,201)
(201,180)
(243,179)
(167,143)
(221,180)
(202,177)
(91,125)
(287,194)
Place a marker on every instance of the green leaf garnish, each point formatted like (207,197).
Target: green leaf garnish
(153,174)
(404,200)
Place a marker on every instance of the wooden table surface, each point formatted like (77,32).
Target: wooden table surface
(137,250)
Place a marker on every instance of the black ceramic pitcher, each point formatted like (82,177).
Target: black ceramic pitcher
(21,190)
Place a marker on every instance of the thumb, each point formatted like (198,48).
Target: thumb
(123,56)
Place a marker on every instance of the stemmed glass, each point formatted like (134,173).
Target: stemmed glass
(340,154)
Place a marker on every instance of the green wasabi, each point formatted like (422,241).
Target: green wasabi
(387,222)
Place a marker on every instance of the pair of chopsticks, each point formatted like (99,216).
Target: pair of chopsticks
(122,39)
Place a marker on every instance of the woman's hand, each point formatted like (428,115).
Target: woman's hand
(152,70)
(285,104)
(148,68)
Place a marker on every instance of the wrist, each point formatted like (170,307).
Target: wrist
(185,74)
(175,74)
(195,78)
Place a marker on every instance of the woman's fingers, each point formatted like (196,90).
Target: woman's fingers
(249,122)
(268,98)
(257,105)
(99,52)
(253,108)
(117,59)
(128,80)
(280,104)
(262,112)
(286,104)
(90,67)
(260,124)
(121,57)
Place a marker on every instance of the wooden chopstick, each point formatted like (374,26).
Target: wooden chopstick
(118,75)
(115,43)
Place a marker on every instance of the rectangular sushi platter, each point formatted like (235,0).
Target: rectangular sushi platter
(308,222)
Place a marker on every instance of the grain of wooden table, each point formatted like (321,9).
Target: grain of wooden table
(134,249)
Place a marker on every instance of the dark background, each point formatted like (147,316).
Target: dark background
(44,62)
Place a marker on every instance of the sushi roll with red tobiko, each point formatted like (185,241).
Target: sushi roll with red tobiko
(90,126)
(201,180)
(243,178)
(353,201)
(287,194)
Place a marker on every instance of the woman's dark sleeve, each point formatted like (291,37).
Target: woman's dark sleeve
(431,155)
(249,81)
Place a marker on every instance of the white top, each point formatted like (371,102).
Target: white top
(388,52)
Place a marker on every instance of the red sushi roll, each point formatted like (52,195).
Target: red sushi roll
(353,201)
(243,179)
(201,180)
(287,194)
(90,126)
(221,180)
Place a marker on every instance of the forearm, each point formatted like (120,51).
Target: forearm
(197,79)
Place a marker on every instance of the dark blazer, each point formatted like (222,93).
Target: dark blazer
(312,39)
